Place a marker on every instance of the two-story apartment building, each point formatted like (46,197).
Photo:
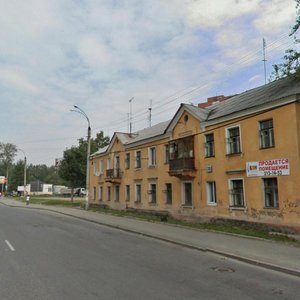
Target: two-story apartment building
(237,159)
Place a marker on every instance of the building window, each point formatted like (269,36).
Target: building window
(152,192)
(127,161)
(187,194)
(152,157)
(168,193)
(167,154)
(138,159)
(138,193)
(271,192)
(266,133)
(101,167)
(233,140)
(108,164)
(127,193)
(211,193)
(95,167)
(209,145)
(108,193)
(100,193)
(117,193)
(94,193)
(236,190)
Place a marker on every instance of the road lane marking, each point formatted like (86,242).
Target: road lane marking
(9,245)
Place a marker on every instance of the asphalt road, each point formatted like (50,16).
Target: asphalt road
(48,256)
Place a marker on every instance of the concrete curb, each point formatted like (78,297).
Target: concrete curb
(209,250)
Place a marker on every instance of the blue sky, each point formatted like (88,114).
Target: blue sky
(98,54)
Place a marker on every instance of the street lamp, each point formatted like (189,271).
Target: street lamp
(25,161)
(80,111)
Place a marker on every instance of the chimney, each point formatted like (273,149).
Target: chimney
(212,100)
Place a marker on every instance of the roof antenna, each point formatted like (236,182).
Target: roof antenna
(130,116)
(264,60)
(150,110)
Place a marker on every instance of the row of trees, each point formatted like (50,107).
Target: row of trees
(71,171)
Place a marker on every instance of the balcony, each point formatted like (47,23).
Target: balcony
(113,175)
(181,158)
(183,168)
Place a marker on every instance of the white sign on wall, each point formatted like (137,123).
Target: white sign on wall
(272,167)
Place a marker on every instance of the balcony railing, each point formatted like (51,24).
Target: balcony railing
(113,173)
(182,164)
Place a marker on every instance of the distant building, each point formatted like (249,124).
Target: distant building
(37,188)
(234,158)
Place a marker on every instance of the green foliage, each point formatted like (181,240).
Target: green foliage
(291,64)
(73,165)
(8,152)
(16,175)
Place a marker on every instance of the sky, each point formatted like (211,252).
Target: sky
(98,54)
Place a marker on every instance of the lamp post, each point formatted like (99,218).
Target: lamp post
(87,188)
(25,167)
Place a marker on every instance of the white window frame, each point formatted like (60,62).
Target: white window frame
(152,156)
(230,195)
(127,193)
(167,155)
(100,193)
(270,136)
(183,198)
(150,193)
(108,164)
(228,147)
(136,156)
(166,192)
(209,145)
(127,160)
(101,167)
(136,194)
(95,167)
(211,193)
(108,193)
(117,187)
(264,193)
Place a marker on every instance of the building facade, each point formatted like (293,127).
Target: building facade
(237,158)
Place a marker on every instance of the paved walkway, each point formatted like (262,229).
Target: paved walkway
(269,254)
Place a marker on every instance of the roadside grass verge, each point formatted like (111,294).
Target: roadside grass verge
(51,201)
(245,230)
(224,228)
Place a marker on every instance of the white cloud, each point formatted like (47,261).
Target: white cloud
(14,79)
(94,52)
(275,15)
(211,14)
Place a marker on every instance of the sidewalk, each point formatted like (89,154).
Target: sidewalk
(268,254)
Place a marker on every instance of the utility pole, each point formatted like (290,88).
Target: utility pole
(130,123)
(264,59)
(150,110)
(25,167)
(82,112)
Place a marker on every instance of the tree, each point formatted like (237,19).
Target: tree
(72,167)
(8,152)
(16,175)
(99,142)
(291,60)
